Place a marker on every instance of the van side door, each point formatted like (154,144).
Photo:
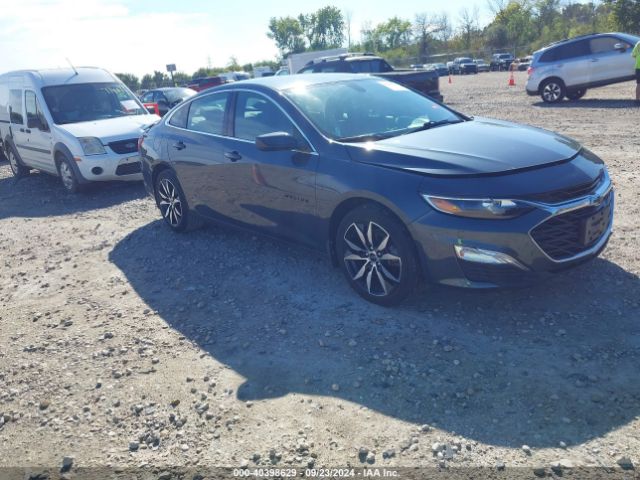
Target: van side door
(37,133)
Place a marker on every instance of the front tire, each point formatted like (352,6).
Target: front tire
(172,203)
(68,175)
(377,255)
(552,91)
(17,168)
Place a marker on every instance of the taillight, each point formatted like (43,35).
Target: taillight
(529,70)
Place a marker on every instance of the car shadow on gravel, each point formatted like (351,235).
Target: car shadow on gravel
(557,362)
(591,103)
(42,195)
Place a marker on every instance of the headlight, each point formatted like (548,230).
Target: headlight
(91,145)
(479,208)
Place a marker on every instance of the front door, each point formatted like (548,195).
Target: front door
(272,191)
(609,63)
(37,140)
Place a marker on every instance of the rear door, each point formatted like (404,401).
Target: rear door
(609,63)
(18,122)
(574,62)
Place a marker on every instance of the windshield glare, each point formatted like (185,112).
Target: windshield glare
(86,102)
(366,108)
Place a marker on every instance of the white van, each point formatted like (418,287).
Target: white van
(81,124)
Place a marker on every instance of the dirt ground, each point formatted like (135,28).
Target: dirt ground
(127,347)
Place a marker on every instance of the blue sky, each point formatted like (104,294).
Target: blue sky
(143,35)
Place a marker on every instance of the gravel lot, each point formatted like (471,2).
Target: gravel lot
(124,345)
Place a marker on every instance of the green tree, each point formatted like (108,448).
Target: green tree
(160,79)
(323,29)
(395,33)
(130,80)
(180,78)
(288,35)
(625,15)
(147,82)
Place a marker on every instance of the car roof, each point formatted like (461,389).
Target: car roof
(68,76)
(582,37)
(284,82)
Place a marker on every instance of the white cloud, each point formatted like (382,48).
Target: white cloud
(104,33)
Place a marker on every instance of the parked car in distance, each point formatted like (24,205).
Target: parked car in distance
(441,68)
(80,124)
(481,64)
(501,62)
(394,185)
(570,67)
(166,98)
(235,76)
(427,82)
(463,66)
(199,84)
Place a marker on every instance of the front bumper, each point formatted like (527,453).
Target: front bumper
(440,238)
(110,166)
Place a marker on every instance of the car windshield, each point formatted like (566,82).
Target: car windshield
(466,60)
(179,94)
(367,109)
(86,102)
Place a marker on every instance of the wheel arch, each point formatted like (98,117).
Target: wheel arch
(61,151)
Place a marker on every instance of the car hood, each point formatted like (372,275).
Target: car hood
(111,129)
(480,146)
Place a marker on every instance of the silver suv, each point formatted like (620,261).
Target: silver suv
(569,67)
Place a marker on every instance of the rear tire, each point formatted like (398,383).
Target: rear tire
(552,91)
(17,168)
(172,203)
(377,255)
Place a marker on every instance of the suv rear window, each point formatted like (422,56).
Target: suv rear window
(566,51)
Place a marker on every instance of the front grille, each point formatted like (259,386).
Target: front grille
(129,168)
(502,275)
(569,234)
(559,196)
(125,146)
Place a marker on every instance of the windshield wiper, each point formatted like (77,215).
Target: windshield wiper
(433,124)
(368,137)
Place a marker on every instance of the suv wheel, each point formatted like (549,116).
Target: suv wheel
(17,168)
(576,94)
(377,255)
(552,91)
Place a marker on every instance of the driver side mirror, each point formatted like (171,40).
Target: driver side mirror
(276,142)
(621,47)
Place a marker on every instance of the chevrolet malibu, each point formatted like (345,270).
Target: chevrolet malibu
(393,185)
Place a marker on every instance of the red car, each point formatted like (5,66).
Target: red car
(199,84)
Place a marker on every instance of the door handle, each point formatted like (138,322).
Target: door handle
(28,131)
(233,156)
(22,130)
(595,60)
(179,145)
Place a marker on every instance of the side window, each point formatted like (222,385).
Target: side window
(573,50)
(329,67)
(548,56)
(179,118)
(147,97)
(257,115)
(308,69)
(207,114)
(33,109)
(159,97)
(604,45)
(15,102)
(361,67)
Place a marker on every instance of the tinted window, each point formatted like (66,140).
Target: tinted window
(572,50)
(179,118)
(15,102)
(257,115)
(147,97)
(605,44)
(329,67)
(207,114)
(33,109)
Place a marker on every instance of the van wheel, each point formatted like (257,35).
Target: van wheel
(17,168)
(68,175)
(576,94)
(552,91)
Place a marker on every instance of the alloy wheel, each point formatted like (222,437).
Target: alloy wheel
(552,92)
(372,259)
(170,204)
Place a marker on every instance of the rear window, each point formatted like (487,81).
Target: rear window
(566,51)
